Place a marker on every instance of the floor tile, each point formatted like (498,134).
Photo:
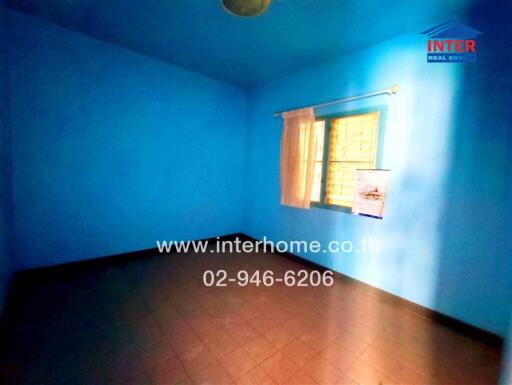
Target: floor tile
(346,380)
(196,358)
(351,343)
(155,356)
(322,371)
(381,361)
(364,373)
(260,349)
(184,341)
(221,343)
(298,352)
(405,375)
(237,363)
(388,345)
(279,336)
(263,323)
(338,356)
(214,374)
(300,378)
(279,367)
(170,372)
(317,339)
(242,333)
(256,376)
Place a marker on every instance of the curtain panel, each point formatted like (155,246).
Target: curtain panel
(298,148)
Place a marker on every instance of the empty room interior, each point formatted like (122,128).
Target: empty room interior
(255,192)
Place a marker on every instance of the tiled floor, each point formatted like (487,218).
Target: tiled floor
(152,321)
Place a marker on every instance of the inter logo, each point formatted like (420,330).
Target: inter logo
(451,42)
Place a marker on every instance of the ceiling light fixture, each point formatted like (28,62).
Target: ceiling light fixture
(245,8)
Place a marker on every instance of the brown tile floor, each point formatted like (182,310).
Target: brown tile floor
(152,321)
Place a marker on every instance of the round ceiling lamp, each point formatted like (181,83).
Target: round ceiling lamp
(245,8)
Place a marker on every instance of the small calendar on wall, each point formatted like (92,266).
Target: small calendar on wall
(370,192)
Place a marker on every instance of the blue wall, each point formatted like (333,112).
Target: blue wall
(444,236)
(475,282)
(5,169)
(113,150)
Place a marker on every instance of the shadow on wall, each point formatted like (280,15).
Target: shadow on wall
(5,167)
(474,225)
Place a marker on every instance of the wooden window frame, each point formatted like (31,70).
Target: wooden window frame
(382,110)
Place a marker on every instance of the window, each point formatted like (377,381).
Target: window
(317,175)
(346,143)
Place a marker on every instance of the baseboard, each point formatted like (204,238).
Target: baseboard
(455,324)
(111,259)
(5,283)
(459,326)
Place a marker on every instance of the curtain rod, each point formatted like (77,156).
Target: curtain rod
(389,91)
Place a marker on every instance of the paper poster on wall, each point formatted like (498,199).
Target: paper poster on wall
(370,193)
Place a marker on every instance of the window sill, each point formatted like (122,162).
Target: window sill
(343,209)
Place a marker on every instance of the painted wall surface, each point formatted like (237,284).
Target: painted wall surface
(444,239)
(113,150)
(5,169)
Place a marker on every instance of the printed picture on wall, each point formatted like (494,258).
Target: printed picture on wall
(370,193)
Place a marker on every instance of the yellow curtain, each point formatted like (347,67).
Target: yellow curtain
(298,147)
